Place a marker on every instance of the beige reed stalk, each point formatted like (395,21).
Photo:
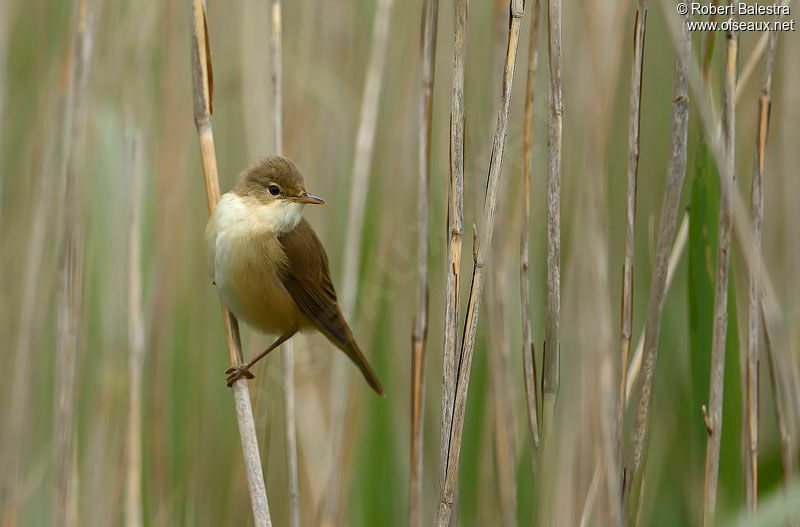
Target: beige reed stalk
(480,255)
(17,426)
(787,462)
(786,365)
(552,346)
(634,118)
(4,9)
(528,356)
(202,89)
(674,258)
(136,336)
(362,163)
(676,171)
(500,383)
(70,270)
(455,231)
(714,415)
(419,335)
(290,424)
(754,311)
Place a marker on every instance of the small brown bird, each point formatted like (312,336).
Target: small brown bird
(269,266)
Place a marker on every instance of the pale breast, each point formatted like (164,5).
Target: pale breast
(245,259)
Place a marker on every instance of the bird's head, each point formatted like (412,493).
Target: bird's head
(276,185)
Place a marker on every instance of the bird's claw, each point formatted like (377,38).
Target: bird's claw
(236,373)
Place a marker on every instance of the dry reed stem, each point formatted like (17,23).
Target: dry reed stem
(634,119)
(674,257)
(787,462)
(202,90)
(676,171)
(16,428)
(552,346)
(787,368)
(752,62)
(754,311)
(430,15)
(455,231)
(708,54)
(500,382)
(716,383)
(4,11)
(290,426)
(136,335)
(528,356)
(591,495)
(480,255)
(70,270)
(364,147)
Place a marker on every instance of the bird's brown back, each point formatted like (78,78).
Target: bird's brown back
(307,279)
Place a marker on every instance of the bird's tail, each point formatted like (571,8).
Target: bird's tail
(351,349)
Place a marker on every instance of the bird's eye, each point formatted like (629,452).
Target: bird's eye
(274,190)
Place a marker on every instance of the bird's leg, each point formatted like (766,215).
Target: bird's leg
(243,371)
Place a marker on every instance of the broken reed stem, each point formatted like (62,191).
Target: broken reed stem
(674,257)
(430,15)
(70,269)
(721,283)
(359,189)
(634,118)
(202,90)
(455,231)
(676,171)
(528,356)
(287,356)
(552,346)
(480,255)
(754,311)
(136,344)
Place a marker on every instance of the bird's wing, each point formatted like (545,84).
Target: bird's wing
(307,279)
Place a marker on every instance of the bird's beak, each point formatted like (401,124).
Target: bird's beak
(308,199)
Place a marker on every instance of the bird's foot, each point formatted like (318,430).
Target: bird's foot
(239,372)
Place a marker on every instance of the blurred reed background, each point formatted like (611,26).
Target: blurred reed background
(102,212)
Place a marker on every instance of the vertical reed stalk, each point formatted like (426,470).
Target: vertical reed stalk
(787,462)
(136,335)
(70,269)
(430,15)
(290,426)
(714,416)
(786,366)
(480,255)
(4,11)
(528,356)
(500,379)
(455,231)
(634,118)
(676,171)
(17,426)
(552,346)
(365,142)
(674,257)
(203,91)
(754,311)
